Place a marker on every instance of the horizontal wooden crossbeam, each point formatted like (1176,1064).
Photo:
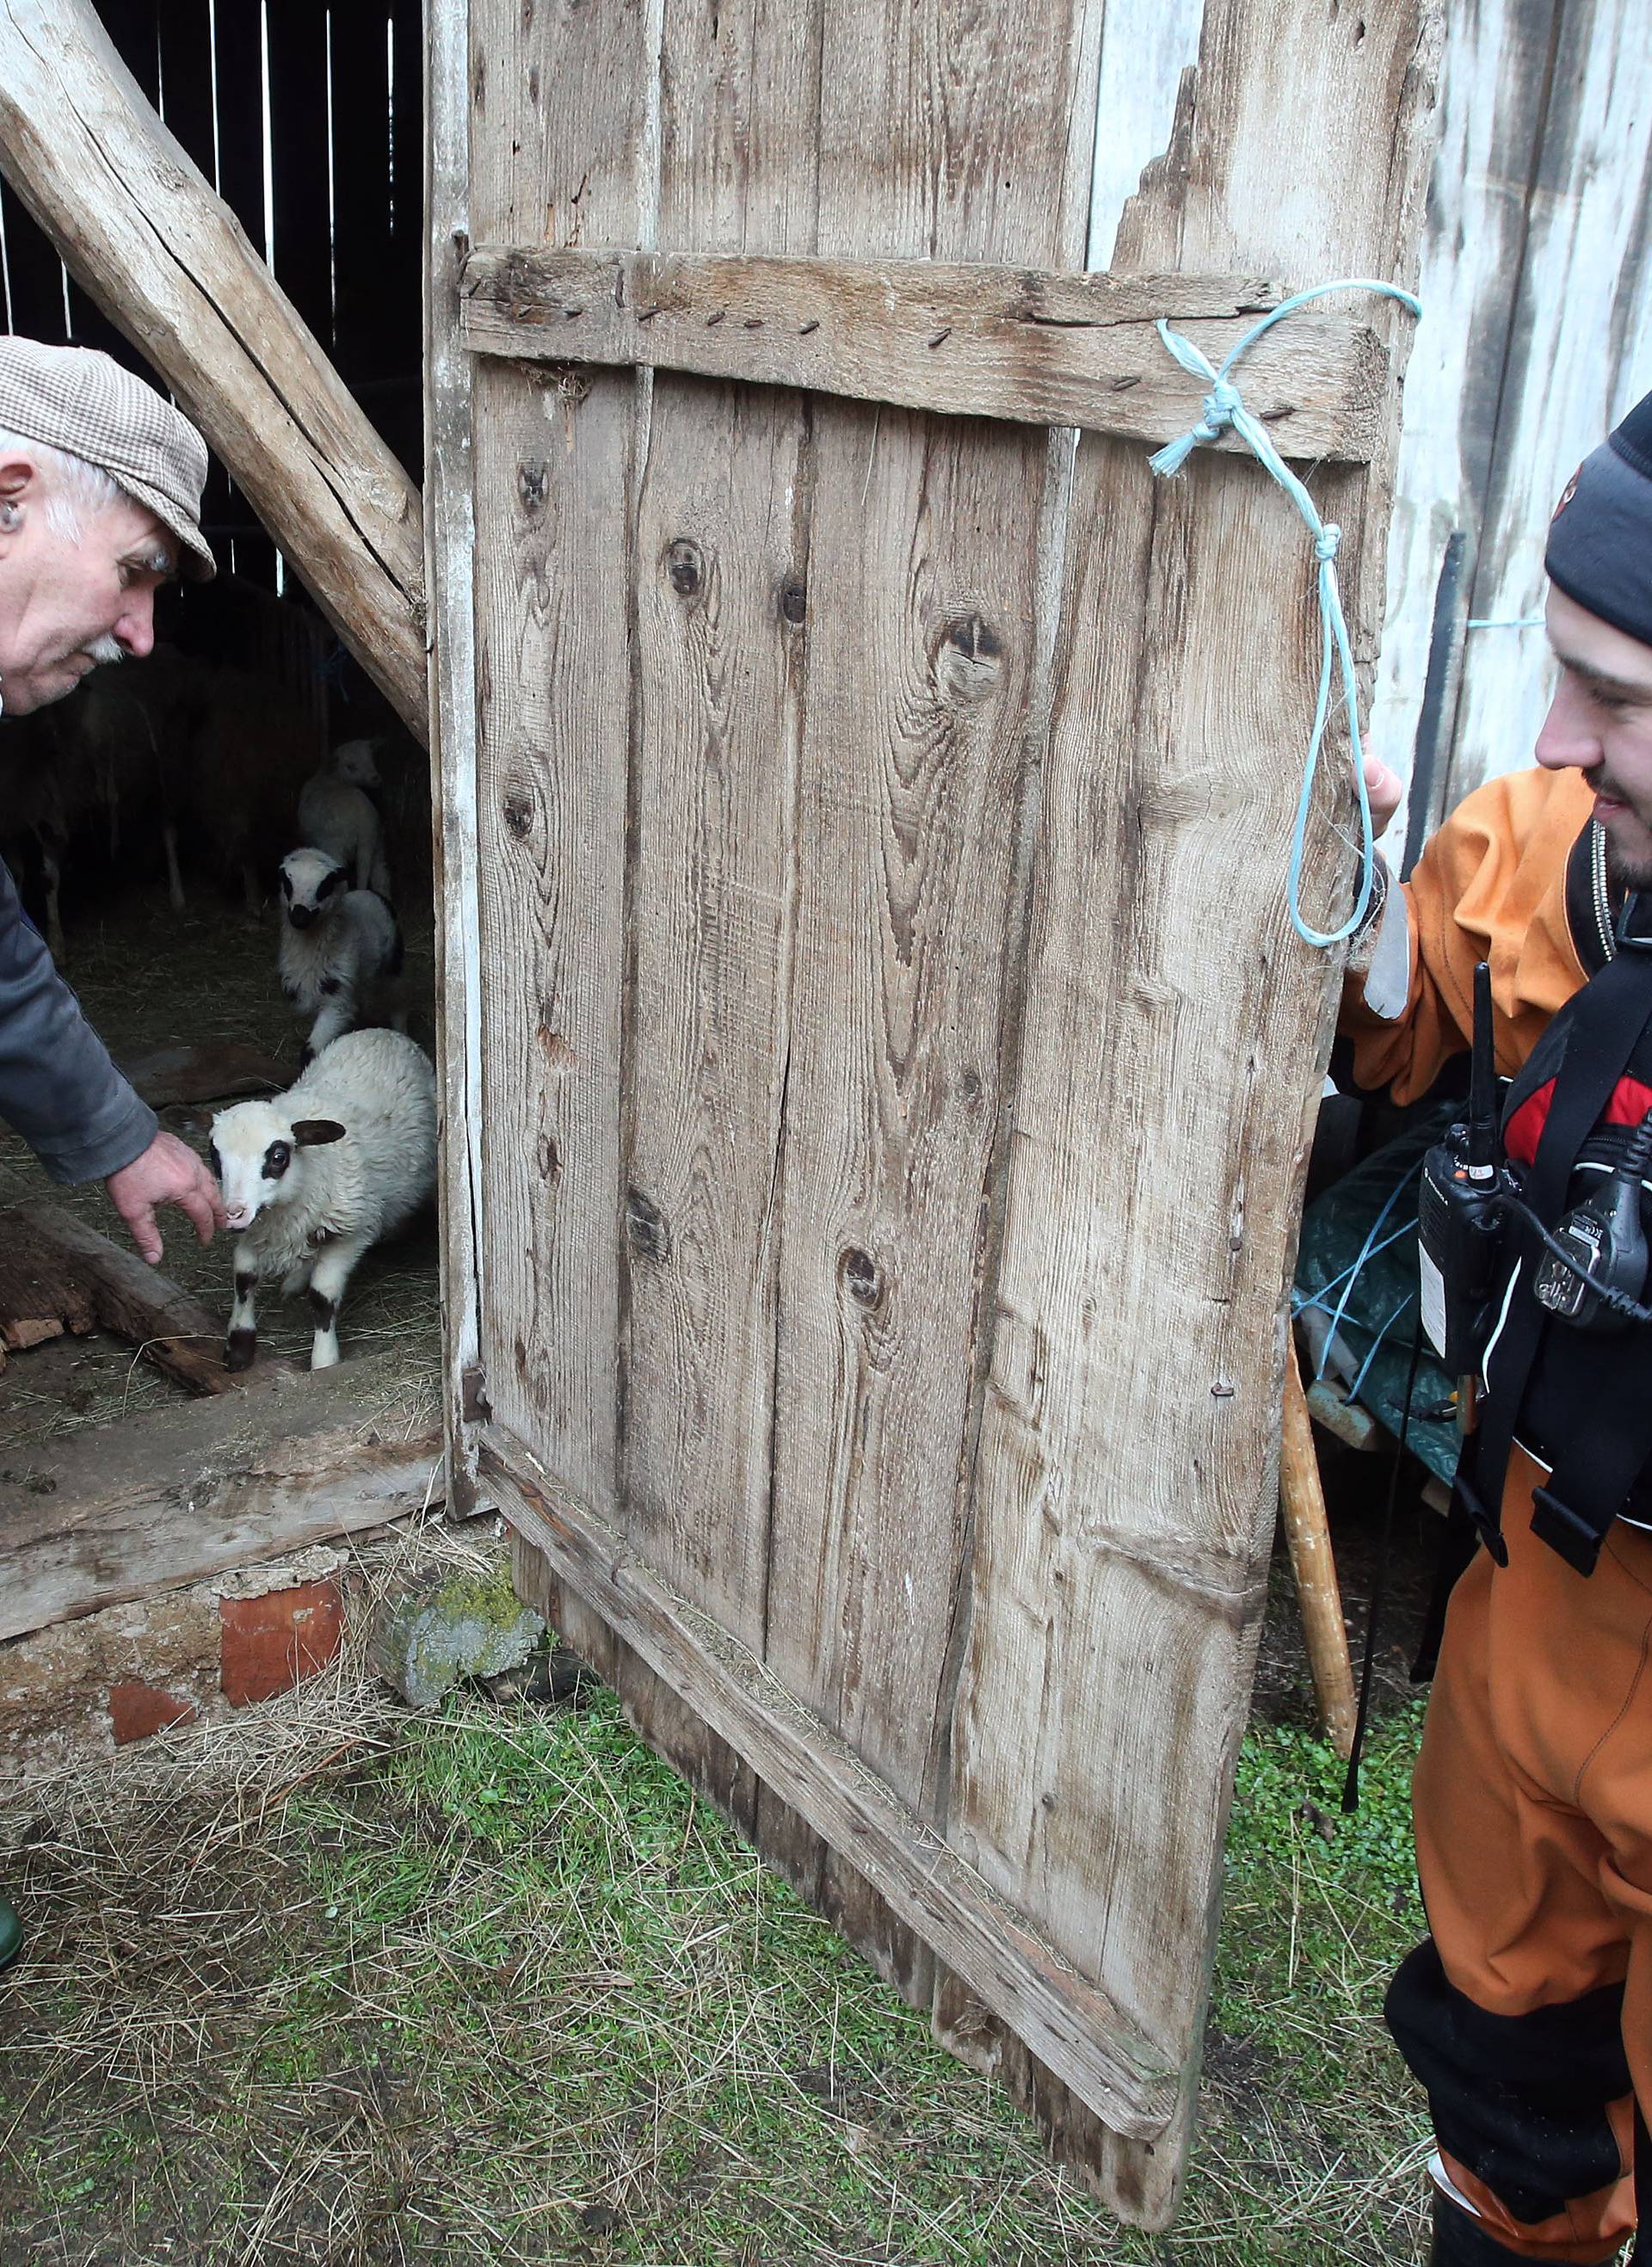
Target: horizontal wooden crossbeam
(971,341)
(1068,2022)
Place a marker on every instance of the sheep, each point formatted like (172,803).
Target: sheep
(340,949)
(313,1177)
(336,814)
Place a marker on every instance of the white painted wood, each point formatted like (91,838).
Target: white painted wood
(1536,336)
(1580,354)
(1147,44)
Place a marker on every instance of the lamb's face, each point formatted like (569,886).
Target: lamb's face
(311,885)
(353,763)
(256,1158)
(258,1155)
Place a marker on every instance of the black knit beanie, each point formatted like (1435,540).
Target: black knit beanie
(1600,538)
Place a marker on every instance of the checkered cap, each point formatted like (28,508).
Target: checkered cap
(77,399)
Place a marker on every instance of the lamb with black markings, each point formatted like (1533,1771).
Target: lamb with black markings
(314,1178)
(340,951)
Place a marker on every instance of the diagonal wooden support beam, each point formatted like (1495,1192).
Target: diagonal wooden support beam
(166,259)
(966,338)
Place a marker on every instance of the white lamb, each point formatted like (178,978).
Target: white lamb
(340,949)
(315,1177)
(336,814)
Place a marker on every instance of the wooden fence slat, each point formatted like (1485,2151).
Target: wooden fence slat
(240,100)
(298,159)
(361,174)
(1125,1492)
(35,272)
(1093,2047)
(1040,349)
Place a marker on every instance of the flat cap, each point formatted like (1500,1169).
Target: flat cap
(1600,539)
(86,403)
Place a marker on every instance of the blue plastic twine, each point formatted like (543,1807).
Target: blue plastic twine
(1225,409)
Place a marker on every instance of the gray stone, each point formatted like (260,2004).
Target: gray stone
(456,1626)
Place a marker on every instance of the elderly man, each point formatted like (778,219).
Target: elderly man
(100,484)
(1527,2013)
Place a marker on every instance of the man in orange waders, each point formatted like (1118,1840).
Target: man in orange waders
(1527,2013)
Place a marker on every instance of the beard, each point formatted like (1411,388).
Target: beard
(1628,865)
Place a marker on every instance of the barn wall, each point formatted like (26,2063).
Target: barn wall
(338,209)
(1536,336)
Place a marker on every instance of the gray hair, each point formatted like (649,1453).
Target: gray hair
(74,489)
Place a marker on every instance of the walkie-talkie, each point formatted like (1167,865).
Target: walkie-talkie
(1460,1218)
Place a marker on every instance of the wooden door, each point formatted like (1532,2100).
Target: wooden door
(877,1065)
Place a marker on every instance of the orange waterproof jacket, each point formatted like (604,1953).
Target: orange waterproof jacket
(1491,886)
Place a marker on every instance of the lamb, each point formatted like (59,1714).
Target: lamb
(340,949)
(338,816)
(313,1177)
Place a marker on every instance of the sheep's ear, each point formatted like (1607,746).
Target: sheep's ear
(312,1133)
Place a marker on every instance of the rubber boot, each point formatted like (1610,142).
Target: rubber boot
(1459,2241)
(10,1934)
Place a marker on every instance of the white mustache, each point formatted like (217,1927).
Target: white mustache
(103,649)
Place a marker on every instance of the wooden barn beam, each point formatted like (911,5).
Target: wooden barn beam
(968,338)
(140,229)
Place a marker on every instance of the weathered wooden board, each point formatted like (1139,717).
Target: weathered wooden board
(968,339)
(1124,1492)
(864,1164)
(190,1490)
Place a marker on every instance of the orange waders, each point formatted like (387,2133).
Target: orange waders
(1528,2013)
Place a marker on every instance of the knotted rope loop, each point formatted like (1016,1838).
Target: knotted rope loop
(1225,412)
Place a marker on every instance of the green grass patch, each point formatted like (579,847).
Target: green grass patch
(499,1989)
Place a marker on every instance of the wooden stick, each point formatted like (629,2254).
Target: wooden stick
(1303,1506)
(167,260)
(1040,347)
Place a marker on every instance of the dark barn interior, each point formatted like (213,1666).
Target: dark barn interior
(145,817)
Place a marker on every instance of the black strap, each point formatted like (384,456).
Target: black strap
(1604,1024)
(1641,2255)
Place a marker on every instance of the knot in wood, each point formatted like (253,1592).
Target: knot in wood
(862,1277)
(969,660)
(794,601)
(684,566)
(646,1226)
(533,486)
(517,811)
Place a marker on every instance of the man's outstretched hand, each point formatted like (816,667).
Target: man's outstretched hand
(168,1172)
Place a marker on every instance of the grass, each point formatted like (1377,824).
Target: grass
(491,1985)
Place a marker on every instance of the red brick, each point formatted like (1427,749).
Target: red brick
(266,1645)
(138,1710)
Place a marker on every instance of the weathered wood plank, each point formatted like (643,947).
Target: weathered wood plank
(921,751)
(719,606)
(195,1489)
(450,576)
(1115,2068)
(556,105)
(166,259)
(968,340)
(1125,1495)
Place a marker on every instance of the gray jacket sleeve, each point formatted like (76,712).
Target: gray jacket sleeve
(58,1088)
